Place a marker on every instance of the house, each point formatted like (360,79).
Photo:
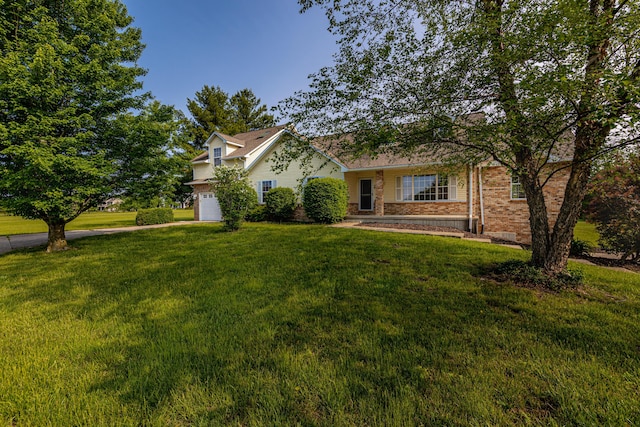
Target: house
(110,205)
(253,151)
(480,198)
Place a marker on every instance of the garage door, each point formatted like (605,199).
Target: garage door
(209,208)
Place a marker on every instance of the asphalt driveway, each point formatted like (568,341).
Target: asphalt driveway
(21,241)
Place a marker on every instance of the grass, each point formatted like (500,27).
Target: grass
(307,325)
(89,220)
(587,232)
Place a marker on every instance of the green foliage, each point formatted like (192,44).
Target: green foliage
(325,200)
(214,111)
(257,214)
(154,216)
(153,155)
(615,206)
(580,248)
(281,203)
(235,194)
(523,273)
(552,80)
(67,70)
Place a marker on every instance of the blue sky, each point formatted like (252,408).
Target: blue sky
(264,45)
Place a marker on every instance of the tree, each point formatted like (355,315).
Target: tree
(214,111)
(67,70)
(210,111)
(235,194)
(154,150)
(549,77)
(615,205)
(248,114)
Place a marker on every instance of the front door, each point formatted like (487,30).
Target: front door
(366,195)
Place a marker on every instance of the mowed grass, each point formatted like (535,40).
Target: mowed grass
(10,225)
(587,232)
(307,325)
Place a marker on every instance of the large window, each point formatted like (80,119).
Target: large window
(217,156)
(264,187)
(517,192)
(425,188)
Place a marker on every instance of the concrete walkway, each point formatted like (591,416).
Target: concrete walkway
(21,241)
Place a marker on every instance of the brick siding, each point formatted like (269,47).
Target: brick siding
(504,215)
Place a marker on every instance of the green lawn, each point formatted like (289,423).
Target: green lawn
(307,325)
(587,232)
(89,220)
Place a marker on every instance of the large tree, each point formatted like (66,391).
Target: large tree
(214,111)
(155,152)
(553,79)
(67,70)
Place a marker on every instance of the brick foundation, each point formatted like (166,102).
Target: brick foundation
(197,189)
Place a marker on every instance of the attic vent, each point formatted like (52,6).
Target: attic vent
(263,135)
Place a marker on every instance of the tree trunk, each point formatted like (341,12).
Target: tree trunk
(538,221)
(57,239)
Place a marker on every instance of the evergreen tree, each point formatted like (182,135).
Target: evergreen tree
(211,113)
(247,112)
(214,111)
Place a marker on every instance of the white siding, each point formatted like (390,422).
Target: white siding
(293,175)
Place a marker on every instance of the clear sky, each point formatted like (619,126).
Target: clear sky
(264,45)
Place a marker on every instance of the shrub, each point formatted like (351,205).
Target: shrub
(615,206)
(325,200)
(234,193)
(154,216)
(580,248)
(526,274)
(280,203)
(257,214)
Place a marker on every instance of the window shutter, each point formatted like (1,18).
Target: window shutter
(273,184)
(398,188)
(453,187)
(260,191)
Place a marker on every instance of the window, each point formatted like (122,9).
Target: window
(263,188)
(217,156)
(426,188)
(517,192)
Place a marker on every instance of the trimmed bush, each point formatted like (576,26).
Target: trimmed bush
(257,214)
(280,203)
(325,200)
(154,216)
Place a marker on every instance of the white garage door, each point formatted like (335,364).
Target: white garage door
(209,208)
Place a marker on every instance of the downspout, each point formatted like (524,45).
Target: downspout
(470,197)
(481,202)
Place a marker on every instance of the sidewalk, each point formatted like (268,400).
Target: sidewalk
(21,241)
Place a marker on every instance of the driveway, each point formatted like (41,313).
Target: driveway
(21,241)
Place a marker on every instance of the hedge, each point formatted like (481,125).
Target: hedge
(325,200)
(154,216)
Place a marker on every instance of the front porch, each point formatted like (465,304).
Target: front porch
(460,222)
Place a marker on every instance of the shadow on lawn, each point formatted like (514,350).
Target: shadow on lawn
(222,323)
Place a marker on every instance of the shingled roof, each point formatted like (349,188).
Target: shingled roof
(246,141)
